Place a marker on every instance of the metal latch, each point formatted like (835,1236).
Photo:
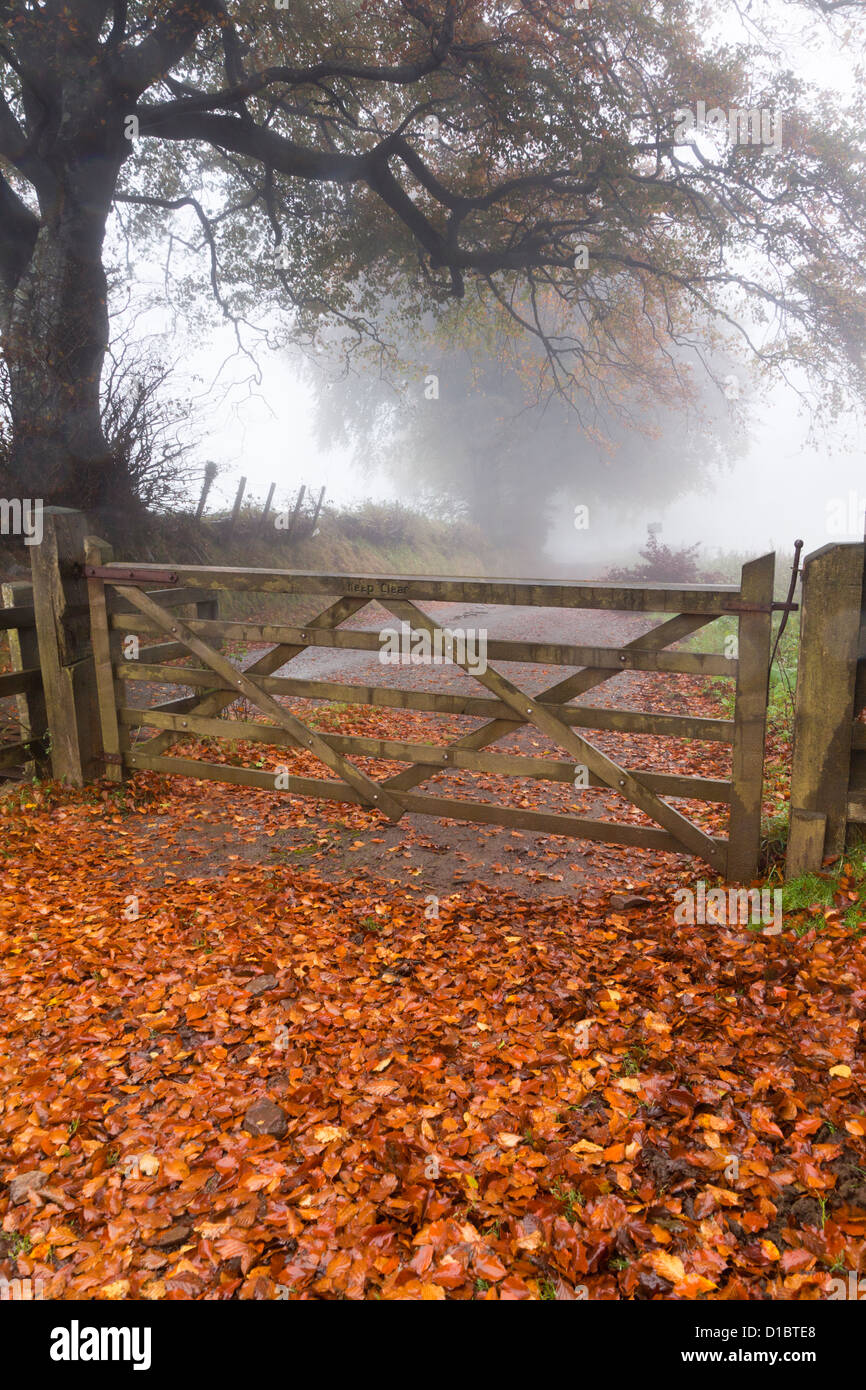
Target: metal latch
(760,607)
(118,575)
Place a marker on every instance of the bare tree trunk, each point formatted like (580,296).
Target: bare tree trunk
(54,346)
(54,324)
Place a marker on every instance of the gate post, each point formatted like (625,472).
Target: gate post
(97,552)
(209,609)
(750,719)
(65,655)
(824,710)
(24,650)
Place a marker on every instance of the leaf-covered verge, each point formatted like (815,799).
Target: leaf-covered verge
(272,1085)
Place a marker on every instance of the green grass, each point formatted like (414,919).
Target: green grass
(783,679)
(783,675)
(801,893)
(569,1198)
(18,1244)
(812,893)
(774,841)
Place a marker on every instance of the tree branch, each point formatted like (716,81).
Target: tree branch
(241,87)
(265,146)
(15,146)
(173,205)
(19,228)
(168,42)
(118,27)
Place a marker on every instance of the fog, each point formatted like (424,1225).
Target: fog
(792,480)
(784,476)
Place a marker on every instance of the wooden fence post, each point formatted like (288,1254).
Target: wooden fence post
(315,519)
(97,552)
(805,848)
(824,710)
(857,779)
(209,610)
(295,513)
(236,509)
(24,650)
(750,720)
(263,524)
(65,653)
(210,470)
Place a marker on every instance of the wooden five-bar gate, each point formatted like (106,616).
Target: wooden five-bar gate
(143,600)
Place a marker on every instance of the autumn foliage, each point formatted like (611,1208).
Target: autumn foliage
(271,1085)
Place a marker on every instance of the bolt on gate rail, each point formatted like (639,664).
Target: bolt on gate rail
(120,603)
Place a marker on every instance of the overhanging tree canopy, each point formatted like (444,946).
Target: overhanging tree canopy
(403,144)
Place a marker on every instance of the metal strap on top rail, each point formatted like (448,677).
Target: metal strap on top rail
(117,574)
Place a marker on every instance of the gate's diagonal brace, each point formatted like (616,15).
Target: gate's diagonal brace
(370,791)
(576,684)
(689,835)
(218,700)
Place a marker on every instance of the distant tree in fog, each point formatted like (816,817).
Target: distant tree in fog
(475,426)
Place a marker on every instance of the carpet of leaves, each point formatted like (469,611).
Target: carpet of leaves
(517,1100)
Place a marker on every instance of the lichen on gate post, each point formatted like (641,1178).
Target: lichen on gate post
(65,650)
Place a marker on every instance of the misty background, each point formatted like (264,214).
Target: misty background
(786,477)
(746,471)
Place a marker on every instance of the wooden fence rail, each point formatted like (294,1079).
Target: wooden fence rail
(482,707)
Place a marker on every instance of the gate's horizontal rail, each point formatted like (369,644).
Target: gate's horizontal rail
(17,682)
(430,755)
(20,615)
(574,827)
(13,754)
(166,598)
(473,706)
(536,653)
(635,598)
(163,651)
